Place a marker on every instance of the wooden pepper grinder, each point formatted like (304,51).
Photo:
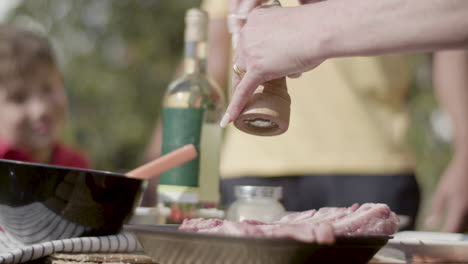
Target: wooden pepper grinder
(267,112)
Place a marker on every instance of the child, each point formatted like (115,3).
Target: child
(32,102)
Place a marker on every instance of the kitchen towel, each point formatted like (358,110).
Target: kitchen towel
(12,251)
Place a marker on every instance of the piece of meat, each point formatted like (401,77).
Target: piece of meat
(296,217)
(237,229)
(322,233)
(324,215)
(199,224)
(320,226)
(368,220)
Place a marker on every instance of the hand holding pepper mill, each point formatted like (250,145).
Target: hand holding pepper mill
(268,110)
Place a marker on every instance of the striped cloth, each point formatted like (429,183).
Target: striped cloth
(47,225)
(15,252)
(22,240)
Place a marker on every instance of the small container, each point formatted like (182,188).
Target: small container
(144,216)
(259,203)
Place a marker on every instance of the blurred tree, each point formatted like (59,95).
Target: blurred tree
(117,58)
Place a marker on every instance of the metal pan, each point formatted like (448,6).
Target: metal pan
(41,202)
(165,244)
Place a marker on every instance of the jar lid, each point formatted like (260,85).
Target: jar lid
(246,191)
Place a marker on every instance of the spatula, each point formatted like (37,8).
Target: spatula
(164,163)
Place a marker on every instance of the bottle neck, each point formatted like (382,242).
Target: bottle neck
(195,57)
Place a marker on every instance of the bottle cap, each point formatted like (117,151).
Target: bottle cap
(196,21)
(246,191)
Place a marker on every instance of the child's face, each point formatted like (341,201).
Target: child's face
(33,110)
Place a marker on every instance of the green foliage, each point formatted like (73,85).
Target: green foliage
(117,59)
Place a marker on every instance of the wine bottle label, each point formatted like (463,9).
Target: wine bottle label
(182,126)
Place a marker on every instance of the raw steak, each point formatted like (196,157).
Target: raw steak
(320,226)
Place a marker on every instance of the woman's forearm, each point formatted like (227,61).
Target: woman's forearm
(369,27)
(277,42)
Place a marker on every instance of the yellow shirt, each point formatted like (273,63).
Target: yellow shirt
(348,115)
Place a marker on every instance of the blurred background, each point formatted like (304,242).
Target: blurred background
(117,58)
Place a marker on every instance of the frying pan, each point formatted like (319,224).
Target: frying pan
(40,202)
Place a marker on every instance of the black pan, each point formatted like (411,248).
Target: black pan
(42,202)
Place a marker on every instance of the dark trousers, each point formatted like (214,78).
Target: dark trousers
(399,191)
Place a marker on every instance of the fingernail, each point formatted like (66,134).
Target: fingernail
(242,14)
(225,121)
(233,24)
(235,40)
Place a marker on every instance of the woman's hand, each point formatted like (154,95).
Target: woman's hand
(271,45)
(450,205)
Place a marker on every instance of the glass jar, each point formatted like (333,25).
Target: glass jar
(259,203)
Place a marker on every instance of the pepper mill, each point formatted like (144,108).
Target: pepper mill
(267,112)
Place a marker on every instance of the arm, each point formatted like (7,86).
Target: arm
(451,86)
(278,42)
(395,26)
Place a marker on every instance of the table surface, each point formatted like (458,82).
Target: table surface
(143,259)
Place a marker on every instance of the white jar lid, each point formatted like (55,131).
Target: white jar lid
(247,191)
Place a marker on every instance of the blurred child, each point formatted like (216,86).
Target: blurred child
(32,102)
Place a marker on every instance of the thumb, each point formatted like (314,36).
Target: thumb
(240,97)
